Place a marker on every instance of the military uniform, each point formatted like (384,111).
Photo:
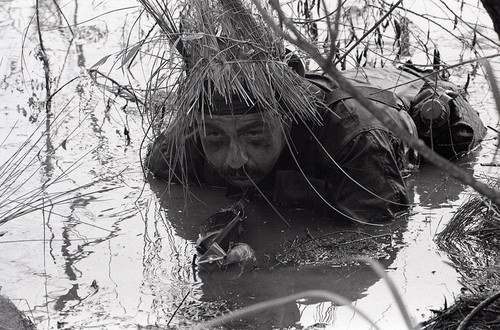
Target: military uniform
(350,165)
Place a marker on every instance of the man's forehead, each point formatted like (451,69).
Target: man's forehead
(241,119)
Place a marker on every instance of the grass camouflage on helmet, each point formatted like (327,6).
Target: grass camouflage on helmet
(231,63)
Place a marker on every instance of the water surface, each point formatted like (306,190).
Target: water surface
(118,252)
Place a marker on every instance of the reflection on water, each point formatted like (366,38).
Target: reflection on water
(119,253)
(266,233)
(436,189)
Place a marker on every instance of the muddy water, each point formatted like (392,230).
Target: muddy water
(117,252)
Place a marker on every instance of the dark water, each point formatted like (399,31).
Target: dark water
(118,252)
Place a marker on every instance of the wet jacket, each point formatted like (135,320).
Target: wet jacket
(354,163)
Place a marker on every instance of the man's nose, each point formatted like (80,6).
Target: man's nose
(236,156)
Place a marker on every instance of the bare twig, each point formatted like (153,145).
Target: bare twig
(64,16)
(94,17)
(470,26)
(333,29)
(465,322)
(493,129)
(367,33)
(43,57)
(180,304)
(60,88)
(164,19)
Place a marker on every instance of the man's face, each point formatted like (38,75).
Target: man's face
(243,148)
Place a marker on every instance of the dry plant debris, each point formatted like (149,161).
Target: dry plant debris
(472,240)
(333,249)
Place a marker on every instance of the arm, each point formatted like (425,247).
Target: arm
(370,188)
(164,161)
(369,185)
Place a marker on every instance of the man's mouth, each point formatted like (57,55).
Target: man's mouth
(241,177)
(239,180)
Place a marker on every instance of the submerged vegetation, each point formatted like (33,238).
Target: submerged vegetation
(335,249)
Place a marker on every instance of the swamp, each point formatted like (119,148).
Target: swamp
(88,240)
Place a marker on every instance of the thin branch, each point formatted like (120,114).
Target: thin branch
(367,33)
(177,309)
(465,322)
(64,16)
(474,28)
(333,29)
(45,61)
(94,18)
(60,88)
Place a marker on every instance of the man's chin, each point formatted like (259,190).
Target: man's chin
(240,181)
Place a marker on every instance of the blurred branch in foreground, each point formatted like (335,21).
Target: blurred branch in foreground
(493,9)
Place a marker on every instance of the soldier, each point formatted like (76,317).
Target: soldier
(246,114)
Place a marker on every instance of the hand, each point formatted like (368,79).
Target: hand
(241,253)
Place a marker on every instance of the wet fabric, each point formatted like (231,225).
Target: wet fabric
(460,132)
(365,183)
(463,129)
(353,166)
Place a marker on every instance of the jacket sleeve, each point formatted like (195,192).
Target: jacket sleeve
(365,182)
(350,167)
(164,161)
(368,185)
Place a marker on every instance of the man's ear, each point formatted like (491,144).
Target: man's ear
(295,63)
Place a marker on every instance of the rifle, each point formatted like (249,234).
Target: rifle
(219,235)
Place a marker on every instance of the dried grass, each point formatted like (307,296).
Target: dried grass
(455,317)
(472,240)
(334,249)
(477,220)
(227,54)
(18,171)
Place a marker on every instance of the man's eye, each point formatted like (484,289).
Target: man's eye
(257,138)
(254,134)
(213,134)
